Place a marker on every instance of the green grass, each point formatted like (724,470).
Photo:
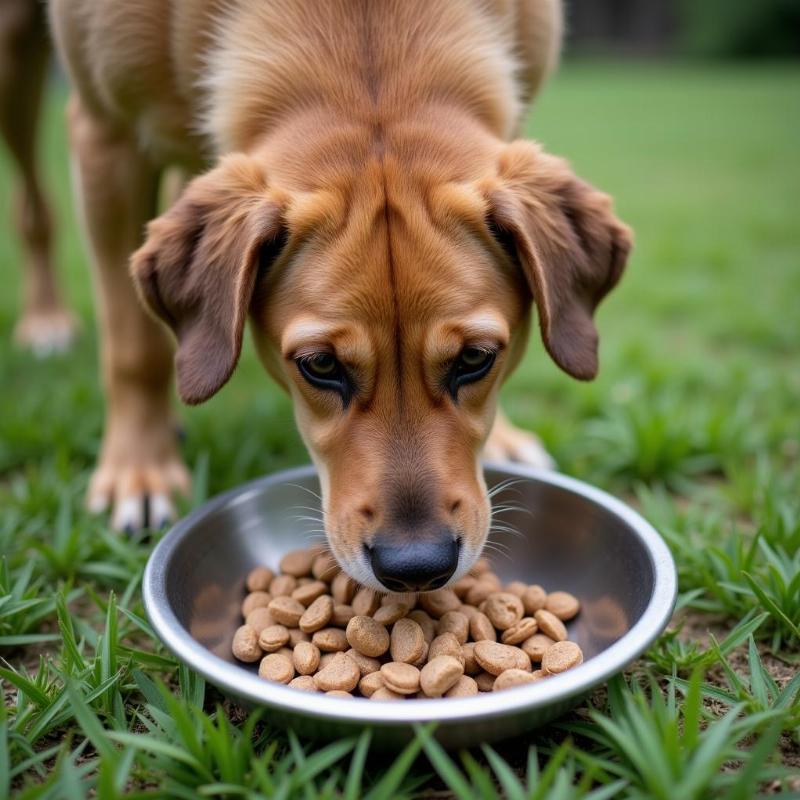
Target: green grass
(694,419)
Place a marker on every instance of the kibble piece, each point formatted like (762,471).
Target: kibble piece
(272,638)
(370,684)
(533,598)
(468,611)
(536,646)
(325,659)
(282,585)
(305,657)
(560,657)
(480,590)
(485,681)
(423,659)
(551,625)
(401,678)
(259,579)
(445,645)
(456,623)
(517,587)
(408,599)
(511,678)
(423,619)
(259,618)
(367,636)
(317,615)
(330,640)
(463,687)
(245,644)
(385,694)
(343,588)
(365,664)
(303,682)
(563,605)
(287,611)
(341,673)
(309,592)
(324,567)
(439,602)
(471,666)
(365,602)
(504,609)
(481,566)
(342,614)
(539,674)
(255,600)
(276,667)
(297,563)
(463,585)
(390,613)
(407,641)
(520,631)
(439,675)
(481,629)
(339,693)
(296,636)
(496,658)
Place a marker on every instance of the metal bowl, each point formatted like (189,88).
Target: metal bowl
(574,537)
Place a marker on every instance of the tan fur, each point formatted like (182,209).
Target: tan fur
(370,206)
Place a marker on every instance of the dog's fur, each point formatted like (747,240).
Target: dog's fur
(366,202)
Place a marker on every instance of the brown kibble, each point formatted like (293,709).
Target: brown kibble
(485,681)
(551,625)
(342,614)
(272,638)
(517,587)
(533,598)
(309,592)
(330,640)
(463,687)
(367,636)
(480,590)
(422,660)
(504,609)
(324,567)
(481,566)
(259,579)
(496,658)
(439,675)
(562,605)
(276,667)
(445,645)
(370,683)
(282,585)
(439,602)
(365,664)
(468,611)
(341,673)
(255,600)
(536,646)
(365,602)
(287,611)
(297,563)
(296,636)
(260,618)
(306,657)
(385,694)
(317,615)
(389,614)
(561,657)
(520,631)
(407,641)
(305,683)
(423,619)
(463,585)
(539,674)
(343,588)
(245,644)
(325,659)
(481,629)
(511,678)
(471,666)
(408,599)
(456,623)
(400,677)
(339,693)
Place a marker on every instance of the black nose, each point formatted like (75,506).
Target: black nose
(414,565)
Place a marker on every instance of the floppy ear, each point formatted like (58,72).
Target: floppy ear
(568,242)
(197,269)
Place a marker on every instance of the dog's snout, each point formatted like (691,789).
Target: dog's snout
(408,564)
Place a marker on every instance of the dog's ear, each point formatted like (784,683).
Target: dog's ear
(570,246)
(197,269)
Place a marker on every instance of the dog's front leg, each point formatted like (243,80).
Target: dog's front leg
(139,466)
(506,442)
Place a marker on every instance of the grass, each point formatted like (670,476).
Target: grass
(693,419)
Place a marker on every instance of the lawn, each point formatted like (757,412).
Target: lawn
(694,419)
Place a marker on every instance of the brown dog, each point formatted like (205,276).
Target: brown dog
(44,325)
(368,214)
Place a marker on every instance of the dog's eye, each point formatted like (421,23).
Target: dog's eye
(470,366)
(324,371)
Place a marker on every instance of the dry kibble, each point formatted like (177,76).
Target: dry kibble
(520,631)
(485,681)
(365,602)
(463,585)
(481,566)
(551,625)
(276,667)
(560,657)
(370,684)
(439,602)
(282,585)
(286,611)
(539,674)
(272,638)
(324,567)
(309,592)
(479,591)
(343,588)
(367,636)
(255,600)
(245,644)
(562,605)
(341,673)
(468,611)
(365,664)
(317,615)
(259,579)
(445,645)
(439,675)
(504,609)
(339,693)
(471,666)
(407,641)
(517,587)
(260,618)
(385,694)
(330,640)
(296,636)
(420,662)
(401,678)
(408,599)
(325,659)
(303,682)
(306,657)
(391,612)
(481,629)
(297,563)
(533,598)
(536,646)
(511,678)
(342,614)
(423,619)
(456,623)
(496,658)
(463,687)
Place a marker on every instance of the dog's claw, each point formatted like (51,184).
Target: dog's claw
(509,443)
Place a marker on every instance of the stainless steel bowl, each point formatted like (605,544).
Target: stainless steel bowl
(574,537)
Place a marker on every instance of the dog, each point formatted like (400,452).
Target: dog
(45,325)
(363,201)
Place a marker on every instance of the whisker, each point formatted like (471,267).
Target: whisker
(305,489)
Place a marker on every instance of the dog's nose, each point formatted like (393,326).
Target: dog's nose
(414,565)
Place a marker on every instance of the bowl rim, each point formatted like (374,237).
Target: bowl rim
(483,707)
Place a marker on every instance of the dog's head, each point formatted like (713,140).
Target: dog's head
(391,308)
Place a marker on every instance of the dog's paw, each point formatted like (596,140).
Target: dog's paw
(45,333)
(139,495)
(509,443)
